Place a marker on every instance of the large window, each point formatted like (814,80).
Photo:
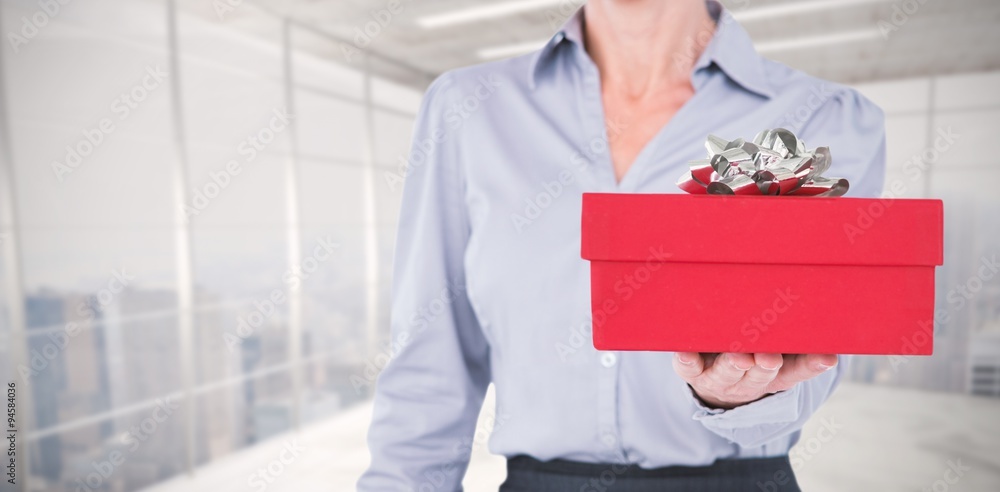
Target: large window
(202,231)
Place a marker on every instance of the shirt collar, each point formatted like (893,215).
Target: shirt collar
(731,49)
(571,32)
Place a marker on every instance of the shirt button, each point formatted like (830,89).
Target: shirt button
(608,359)
(609,439)
(560,36)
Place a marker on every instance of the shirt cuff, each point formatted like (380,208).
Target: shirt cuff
(776,409)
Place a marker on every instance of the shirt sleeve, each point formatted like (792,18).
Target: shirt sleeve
(428,397)
(854,129)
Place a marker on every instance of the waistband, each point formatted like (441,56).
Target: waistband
(724,467)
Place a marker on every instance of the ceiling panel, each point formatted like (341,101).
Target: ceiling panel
(941,37)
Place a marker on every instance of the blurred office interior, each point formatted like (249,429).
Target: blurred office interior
(198,208)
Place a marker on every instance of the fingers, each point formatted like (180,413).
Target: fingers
(731,379)
(713,376)
(689,365)
(798,368)
(764,370)
(728,369)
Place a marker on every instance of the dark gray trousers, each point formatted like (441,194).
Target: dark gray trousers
(526,474)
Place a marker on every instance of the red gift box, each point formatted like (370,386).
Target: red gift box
(796,275)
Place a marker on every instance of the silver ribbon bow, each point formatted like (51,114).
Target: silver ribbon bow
(775,163)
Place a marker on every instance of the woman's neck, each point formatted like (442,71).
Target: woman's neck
(642,47)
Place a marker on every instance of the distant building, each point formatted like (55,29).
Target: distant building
(67,373)
(984,364)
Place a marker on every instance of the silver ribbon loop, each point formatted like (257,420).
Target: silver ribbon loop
(775,163)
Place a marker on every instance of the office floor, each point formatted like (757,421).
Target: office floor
(865,438)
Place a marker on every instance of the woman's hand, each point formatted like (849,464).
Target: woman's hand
(729,380)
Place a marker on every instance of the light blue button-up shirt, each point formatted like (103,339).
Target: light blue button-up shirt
(489,285)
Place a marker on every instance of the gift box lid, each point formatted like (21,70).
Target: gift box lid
(762,229)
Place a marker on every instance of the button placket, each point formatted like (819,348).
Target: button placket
(607,406)
(608,359)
